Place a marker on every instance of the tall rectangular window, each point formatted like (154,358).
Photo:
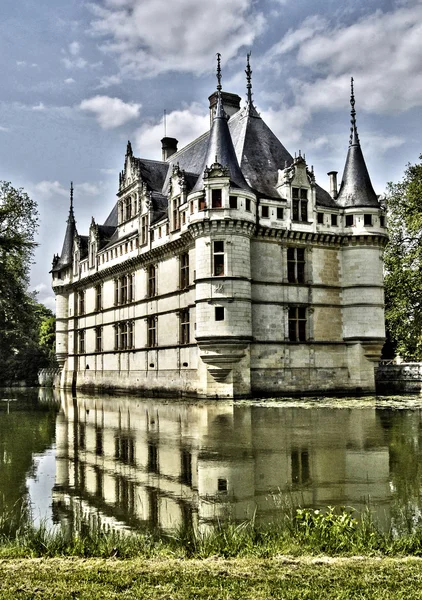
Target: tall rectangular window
(152,464)
(184,270)
(216,199)
(123,336)
(218,258)
(116,336)
(81,341)
(219,313)
(98,339)
(367,220)
(116,292)
(300,204)
(81,302)
(130,335)
(98,298)
(144,229)
(320,218)
(334,220)
(297,324)
(300,467)
(202,205)
(184,326)
(152,281)
(128,208)
(130,287)
(123,289)
(349,220)
(280,213)
(265,212)
(175,213)
(296,265)
(152,331)
(186,467)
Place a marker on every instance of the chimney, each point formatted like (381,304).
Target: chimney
(168,147)
(333,183)
(231,104)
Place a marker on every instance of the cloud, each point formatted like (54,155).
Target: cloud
(77,63)
(109,80)
(185,125)
(88,189)
(149,39)
(50,189)
(4,129)
(382,51)
(110,112)
(39,106)
(69,81)
(74,48)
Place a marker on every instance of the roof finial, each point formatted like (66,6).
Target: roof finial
(248,72)
(71,196)
(354,138)
(219,88)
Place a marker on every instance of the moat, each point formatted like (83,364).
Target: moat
(122,462)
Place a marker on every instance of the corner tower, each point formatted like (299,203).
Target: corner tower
(361,265)
(222,228)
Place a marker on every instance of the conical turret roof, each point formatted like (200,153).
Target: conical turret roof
(220,147)
(66,256)
(356,187)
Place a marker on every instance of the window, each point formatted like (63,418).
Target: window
(320,218)
(219,313)
(233,201)
(130,287)
(123,289)
(334,222)
(152,331)
(175,213)
(91,255)
(152,465)
(280,213)
(152,235)
(192,207)
(122,336)
(367,220)
(81,303)
(265,212)
(184,270)
(216,200)
(300,466)
(297,324)
(218,256)
(349,220)
(116,292)
(222,485)
(98,339)
(99,451)
(81,337)
(186,467)
(296,265)
(152,281)
(98,298)
(116,337)
(202,205)
(300,204)
(144,229)
(247,204)
(184,326)
(128,208)
(130,335)
(124,449)
(184,217)
(382,221)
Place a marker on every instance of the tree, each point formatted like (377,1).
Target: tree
(20,314)
(403,264)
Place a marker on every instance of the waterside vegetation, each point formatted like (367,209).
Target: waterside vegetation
(306,532)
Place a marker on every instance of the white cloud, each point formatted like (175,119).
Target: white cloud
(69,81)
(382,51)
(50,189)
(39,106)
(21,63)
(108,81)
(185,125)
(88,189)
(110,112)
(4,129)
(77,63)
(149,38)
(74,48)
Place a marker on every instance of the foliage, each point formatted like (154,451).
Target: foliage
(403,263)
(21,316)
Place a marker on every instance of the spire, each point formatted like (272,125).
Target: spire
(248,72)
(66,257)
(220,147)
(354,138)
(129,151)
(356,187)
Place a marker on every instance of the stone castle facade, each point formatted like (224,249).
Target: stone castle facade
(225,270)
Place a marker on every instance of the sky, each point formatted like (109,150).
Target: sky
(80,78)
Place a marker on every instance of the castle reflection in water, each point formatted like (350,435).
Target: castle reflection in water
(127,462)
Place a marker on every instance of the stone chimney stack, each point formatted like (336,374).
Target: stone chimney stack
(333,183)
(231,104)
(168,147)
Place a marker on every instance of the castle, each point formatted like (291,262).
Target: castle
(225,270)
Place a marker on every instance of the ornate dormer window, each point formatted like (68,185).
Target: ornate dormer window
(299,204)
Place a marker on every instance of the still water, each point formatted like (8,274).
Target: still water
(133,463)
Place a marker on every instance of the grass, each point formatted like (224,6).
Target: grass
(309,554)
(305,532)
